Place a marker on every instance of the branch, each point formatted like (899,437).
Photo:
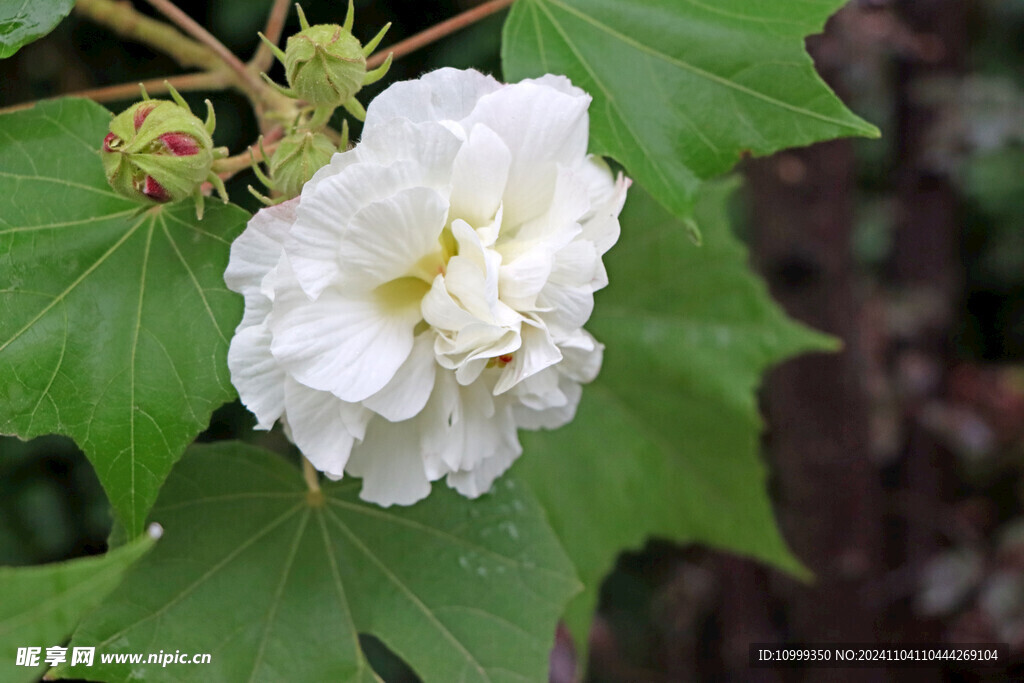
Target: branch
(246,78)
(229,166)
(438,31)
(207,80)
(263,57)
(127,22)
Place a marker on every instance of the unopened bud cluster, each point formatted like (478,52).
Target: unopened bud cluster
(325,66)
(159,151)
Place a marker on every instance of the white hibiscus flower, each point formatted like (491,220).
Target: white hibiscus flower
(424,297)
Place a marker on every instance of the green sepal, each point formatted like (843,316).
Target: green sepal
(158,150)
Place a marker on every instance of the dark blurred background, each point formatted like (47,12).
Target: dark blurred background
(897,465)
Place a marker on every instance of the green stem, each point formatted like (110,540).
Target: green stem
(310,475)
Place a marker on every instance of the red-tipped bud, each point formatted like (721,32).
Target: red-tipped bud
(157,150)
(155,190)
(180,144)
(111,142)
(141,113)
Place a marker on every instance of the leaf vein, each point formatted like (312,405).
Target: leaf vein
(195,282)
(188,590)
(86,273)
(53,376)
(715,78)
(196,228)
(423,528)
(61,181)
(340,586)
(607,93)
(278,592)
(410,595)
(131,368)
(67,224)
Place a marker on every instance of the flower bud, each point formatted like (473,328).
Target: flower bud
(157,150)
(325,65)
(296,159)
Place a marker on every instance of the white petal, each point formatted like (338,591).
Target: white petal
(541,391)
(336,165)
(479,340)
(558,82)
(602,227)
(501,445)
(325,213)
(390,464)
(469,370)
(542,128)
(257,250)
(565,309)
(322,426)
(257,376)
(596,175)
(407,392)
(536,353)
(434,423)
(431,144)
(469,244)
(555,416)
(444,94)
(582,356)
(465,431)
(577,264)
(521,280)
(557,225)
(441,311)
(479,175)
(472,287)
(473,277)
(528,252)
(488,234)
(388,238)
(349,347)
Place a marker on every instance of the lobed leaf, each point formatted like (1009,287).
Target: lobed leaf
(277,582)
(683,88)
(114,317)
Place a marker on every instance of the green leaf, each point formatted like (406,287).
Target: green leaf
(276,582)
(114,318)
(23,21)
(42,605)
(682,88)
(665,443)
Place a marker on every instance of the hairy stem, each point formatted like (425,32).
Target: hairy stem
(246,79)
(263,57)
(206,80)
(438,31)
(209,53)
(125,21)
(228,167)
